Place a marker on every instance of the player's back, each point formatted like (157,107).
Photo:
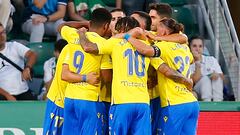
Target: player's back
(129,83)
(178,57)
(81,62)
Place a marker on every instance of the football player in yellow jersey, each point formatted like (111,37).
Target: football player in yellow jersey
(145,21)
(82,109)
(53,121)
(180,108)
(129,113)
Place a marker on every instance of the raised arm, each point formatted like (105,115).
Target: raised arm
(178,38)
(175,76)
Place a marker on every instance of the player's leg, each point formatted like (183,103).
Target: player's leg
(70,119)
(190,125)
(141,124)
(89,117)
(172,119)
(120,119)
(53,122)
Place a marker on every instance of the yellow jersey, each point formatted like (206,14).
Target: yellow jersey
(178,57)
(105,94)
(57,89)
(129,84)
(81,62)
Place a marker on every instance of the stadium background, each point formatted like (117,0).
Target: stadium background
(216,20)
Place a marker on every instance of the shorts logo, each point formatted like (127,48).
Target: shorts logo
(111,116)
(165,118)
(98,115)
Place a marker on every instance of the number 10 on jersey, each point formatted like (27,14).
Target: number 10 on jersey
(134,63)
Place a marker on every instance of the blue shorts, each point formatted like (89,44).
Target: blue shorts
(155,114)
(53,121)
(129,118)
(83,117)
(179,119)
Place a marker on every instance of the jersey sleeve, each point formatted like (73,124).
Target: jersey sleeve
(156,62)
(69,34)
(106,62)
(162,47)
(66,53)
(105,47)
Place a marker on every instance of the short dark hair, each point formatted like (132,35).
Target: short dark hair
(163,9)
(146,17)
(117,10)
(1,24)
(59,45)
(195,37)
(126,23)
(100,16)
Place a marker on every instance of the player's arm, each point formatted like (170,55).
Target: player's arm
(176,37)
(175,76)
(87,45)
(74,24)
(71,77)
(106,78)
(7,95)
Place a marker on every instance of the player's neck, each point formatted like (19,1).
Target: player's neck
(96,30)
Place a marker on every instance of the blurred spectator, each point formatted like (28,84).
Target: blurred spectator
(79,10)
(129,6)
(6,10)
(50,67)
(13,82)
(43,17)
(116,15)
(206,73)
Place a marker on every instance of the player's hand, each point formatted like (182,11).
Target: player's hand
(10,98)
(38,19)
(26,74)
(82,30)
(137,33)
(93,79)
(189,84)
(214,76)
(150,35)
